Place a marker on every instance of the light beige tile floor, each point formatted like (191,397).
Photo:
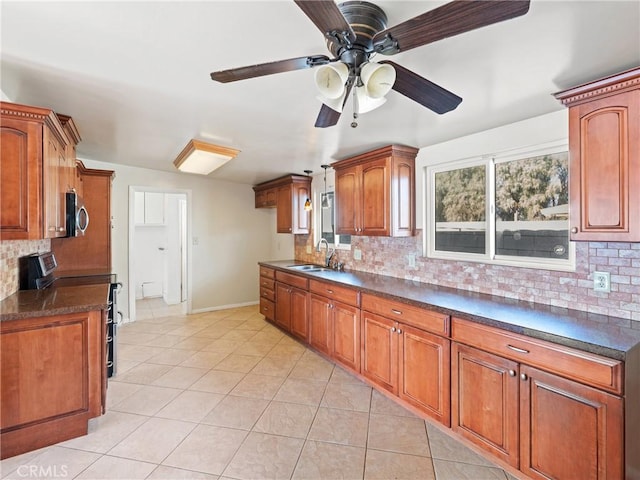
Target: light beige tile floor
(225,395)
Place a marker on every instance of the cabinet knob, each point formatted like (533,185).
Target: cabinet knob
(399,331)
(512,373)
(393,329)
(574,230)
(523,376)
(397,312)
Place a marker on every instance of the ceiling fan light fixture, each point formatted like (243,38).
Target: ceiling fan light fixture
(330,79)
(364,103)
(203,158)
(377,78)
(333,103)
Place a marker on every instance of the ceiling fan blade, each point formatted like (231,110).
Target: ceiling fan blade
(326,15)
(242,73)
(423,91)
(328,117)
(451,19)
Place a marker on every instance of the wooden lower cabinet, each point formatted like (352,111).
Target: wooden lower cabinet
(334,329)
(291,309)
(484,401)
(568,430)
(543,424)
(408,362)
(53,379)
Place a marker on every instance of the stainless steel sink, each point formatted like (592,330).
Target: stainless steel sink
(310,268)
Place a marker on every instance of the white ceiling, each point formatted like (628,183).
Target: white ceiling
(135,76)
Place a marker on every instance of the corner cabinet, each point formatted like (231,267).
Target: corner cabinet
(288,195)
(34,172)
(375,193)
(604,145)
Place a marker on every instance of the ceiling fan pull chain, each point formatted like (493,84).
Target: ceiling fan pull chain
(354,124)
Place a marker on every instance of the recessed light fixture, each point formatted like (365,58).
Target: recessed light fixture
(203,158)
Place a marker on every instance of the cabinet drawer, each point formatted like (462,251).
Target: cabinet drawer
(293,280)
(335,292)
(267,283)
(574,364)
(401,312)
(267,272)
(267,308)
(268,294)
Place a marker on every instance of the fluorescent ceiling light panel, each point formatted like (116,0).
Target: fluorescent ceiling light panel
(203,158)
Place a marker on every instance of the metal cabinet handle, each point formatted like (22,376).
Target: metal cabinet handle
(397,312)
(393,329)
(574,230)
(399,331)
(512,373)
(516,349)
(329,291)
(523,376)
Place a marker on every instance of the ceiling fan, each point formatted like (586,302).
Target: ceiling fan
(356,30)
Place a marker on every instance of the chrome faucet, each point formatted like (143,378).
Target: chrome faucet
(328,254)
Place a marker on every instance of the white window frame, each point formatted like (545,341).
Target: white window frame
(490,257)
(318,191)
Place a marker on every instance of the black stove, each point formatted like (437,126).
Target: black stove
(38,271)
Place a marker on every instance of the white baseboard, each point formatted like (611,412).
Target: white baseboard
(224,307)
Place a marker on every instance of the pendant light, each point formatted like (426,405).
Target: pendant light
(325,199)
(307,204)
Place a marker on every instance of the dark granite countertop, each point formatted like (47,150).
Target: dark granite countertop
(600,334)
(54,301)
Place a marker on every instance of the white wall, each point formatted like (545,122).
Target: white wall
(232,236)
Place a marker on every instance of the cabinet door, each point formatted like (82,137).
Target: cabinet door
(380,351)
(54,204)
(283,306)
(425,372)
(484,401)
(376,198)
(301,217)
(403,199)
(348,200)
(284,210)
(605,169)
(299,310)
(154,208)
(568,430)
(319,324)
(21,176)
(346,335)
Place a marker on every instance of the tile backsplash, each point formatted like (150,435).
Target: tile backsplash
(390,256)
(10,252)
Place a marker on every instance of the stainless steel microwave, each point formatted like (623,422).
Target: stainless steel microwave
(77,215)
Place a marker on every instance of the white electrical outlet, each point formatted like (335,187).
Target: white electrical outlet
(411,260)
(308,249)
(357,254)
(601,282)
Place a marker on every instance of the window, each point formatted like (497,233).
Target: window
(509,209)
(327,223)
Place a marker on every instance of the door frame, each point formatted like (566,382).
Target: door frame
(133,189)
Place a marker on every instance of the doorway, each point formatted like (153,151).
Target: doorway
(159,253)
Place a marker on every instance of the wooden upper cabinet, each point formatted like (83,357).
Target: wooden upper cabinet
(375,193)
(604,144)
(288,194)
(91,251)
(32,173)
